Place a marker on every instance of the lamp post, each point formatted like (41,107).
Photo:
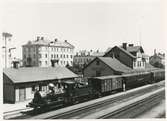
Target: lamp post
(6,35)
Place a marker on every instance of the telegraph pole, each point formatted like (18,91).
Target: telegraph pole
(6,35)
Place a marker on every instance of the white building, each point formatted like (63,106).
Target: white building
(83,57)
(41,51)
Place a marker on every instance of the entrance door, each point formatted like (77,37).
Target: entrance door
(22,94)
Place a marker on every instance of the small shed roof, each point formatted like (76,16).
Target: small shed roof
(33,74)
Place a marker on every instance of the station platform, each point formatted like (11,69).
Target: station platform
(22,105)
(17,106)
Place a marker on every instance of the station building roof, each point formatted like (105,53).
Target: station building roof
(34,74)
(115,64)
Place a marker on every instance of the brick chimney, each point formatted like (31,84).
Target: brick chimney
(124,45)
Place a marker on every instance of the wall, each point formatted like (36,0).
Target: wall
(64,55)
(8,90)
(121,56)
(90,70)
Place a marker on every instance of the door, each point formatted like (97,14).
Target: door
(22,94)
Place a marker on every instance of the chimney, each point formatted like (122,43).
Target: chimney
(55,39)
(65,40)
(130,45)
(42,38)
(154,51)
(15,64)
(124,45)
(38,37)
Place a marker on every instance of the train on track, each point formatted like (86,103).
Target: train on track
(75,92)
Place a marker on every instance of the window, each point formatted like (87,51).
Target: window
(46,55)
(46,62)
(40,63)
(64,56)
(71,56)
(61,56)
(51,55)
(67,56)
(34,55)
(24,56)
(39,55)
(97,62)
(138,63)
(54,55)
(57,55)
(134,64)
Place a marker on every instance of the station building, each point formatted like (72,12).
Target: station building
(130,55)
(19,84)
(104,66)
(119,60)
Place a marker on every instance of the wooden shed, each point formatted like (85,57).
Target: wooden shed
(19,83)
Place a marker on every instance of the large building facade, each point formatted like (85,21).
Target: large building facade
(41,51)
(83,57)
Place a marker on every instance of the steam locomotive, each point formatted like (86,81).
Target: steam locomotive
(75,92)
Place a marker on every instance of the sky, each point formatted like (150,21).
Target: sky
(87,24)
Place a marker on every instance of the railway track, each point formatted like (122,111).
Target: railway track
(82,111)
(131,108)
(15,113)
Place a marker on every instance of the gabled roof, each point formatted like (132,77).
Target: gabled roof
(123,50)
(134,48)
(50,43)
(33,74)
(115,64)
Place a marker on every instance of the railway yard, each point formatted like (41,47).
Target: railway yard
(132,103)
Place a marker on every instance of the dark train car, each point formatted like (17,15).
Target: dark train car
(136,79)
(158,75)
(106,84)
(78,92)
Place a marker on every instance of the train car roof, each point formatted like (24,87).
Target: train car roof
(132,74)
(107,77)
